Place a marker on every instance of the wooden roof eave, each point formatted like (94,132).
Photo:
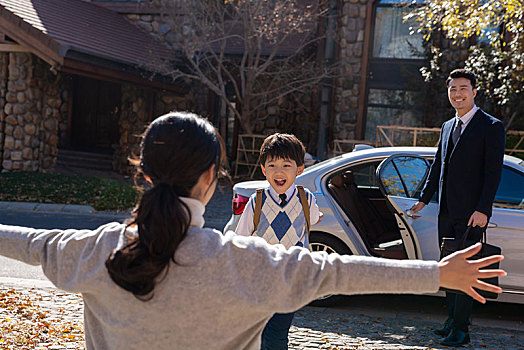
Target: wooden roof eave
(97,72)
(28,36)
(55,55)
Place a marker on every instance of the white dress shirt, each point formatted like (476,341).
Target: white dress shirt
(245,225)
(466,118)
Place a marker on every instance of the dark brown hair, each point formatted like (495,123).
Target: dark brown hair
(282,146)
(462,73)
(175,150)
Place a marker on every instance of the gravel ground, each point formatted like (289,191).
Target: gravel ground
(332,329)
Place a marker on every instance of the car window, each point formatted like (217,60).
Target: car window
(365,175)
(320,164)
(404,176)
(510,193)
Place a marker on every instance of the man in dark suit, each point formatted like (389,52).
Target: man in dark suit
(466,171)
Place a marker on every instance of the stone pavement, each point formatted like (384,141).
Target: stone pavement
(315,328)
(46,318)
(34,315)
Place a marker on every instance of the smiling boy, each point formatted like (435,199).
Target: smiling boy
(278,214)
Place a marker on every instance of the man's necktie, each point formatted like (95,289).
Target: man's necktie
(457,132)
(283,200)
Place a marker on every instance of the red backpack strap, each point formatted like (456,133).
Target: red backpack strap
(258,209)
(305,207)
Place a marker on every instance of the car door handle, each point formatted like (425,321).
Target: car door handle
(492,225)
(410,214)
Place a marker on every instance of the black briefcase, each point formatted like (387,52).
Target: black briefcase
(451,245)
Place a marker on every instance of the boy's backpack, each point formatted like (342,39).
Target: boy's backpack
(303,201)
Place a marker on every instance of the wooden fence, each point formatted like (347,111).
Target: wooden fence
(248,149)
(406,136)
(515,139)
(413,136)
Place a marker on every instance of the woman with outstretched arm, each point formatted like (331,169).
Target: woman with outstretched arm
(163,281)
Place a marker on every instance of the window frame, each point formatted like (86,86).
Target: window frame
(382,67)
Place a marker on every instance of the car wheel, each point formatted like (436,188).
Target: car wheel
(324,242)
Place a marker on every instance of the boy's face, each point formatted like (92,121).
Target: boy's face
(281,173)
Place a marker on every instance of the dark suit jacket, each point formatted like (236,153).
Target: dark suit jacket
(474,168)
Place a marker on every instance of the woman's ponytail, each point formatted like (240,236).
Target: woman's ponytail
(176,150)
(162,220)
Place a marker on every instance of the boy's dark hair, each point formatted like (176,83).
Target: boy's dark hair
(462,73)
(282,146)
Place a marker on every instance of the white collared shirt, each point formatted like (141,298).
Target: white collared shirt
(245,224)
(276,197)
(466,118)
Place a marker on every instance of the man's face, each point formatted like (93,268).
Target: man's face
(281,173)
(461,95)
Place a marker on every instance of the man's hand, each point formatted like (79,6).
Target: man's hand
(458,273)
(417,207)
(478,219)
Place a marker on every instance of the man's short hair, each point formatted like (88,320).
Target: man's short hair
(462,73)
(282,146)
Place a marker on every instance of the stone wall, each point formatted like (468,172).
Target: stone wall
(4,60)
(168,102)
(347,91)
(134,119)
(51,87)
(196,99)
(30,114)
(64,109)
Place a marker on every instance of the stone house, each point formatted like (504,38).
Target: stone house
(72,77)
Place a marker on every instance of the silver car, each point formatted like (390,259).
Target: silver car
(366,195)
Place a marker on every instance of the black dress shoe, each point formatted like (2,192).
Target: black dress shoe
(456,338)
(444,331)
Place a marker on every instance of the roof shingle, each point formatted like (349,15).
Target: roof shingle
(75,25)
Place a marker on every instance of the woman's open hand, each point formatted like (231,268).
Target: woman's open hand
(458,273)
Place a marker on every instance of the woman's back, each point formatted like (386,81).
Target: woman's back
(195,305)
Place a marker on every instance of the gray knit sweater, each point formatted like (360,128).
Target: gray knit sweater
(219,296)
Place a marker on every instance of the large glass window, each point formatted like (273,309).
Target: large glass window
(392,37)
(389,107)
(394,78)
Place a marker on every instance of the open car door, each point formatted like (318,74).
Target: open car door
(401,178)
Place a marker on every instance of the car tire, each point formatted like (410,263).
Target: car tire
(324,242)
